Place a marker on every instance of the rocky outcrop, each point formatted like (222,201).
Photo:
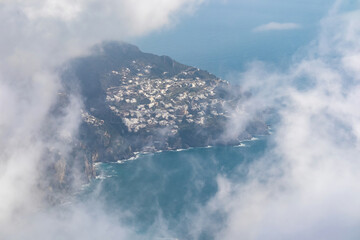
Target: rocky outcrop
(140,102)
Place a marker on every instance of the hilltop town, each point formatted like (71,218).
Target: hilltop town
(144,102)
(140,102)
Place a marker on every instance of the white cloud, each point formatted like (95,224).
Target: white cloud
(276,26)
(305,186)
(36,37)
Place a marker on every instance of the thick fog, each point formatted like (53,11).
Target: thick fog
(38,36)
(304,187)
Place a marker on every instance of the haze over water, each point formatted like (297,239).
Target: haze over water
(219,37)
(301,182)
(170,186)
(170,189)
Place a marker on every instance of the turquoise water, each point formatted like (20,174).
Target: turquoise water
(169,185)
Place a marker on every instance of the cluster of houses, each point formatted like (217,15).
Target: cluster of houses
(143,101)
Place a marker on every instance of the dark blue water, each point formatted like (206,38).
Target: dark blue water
(169,185)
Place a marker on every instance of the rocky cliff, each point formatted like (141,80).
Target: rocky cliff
(135,102)
(140,102)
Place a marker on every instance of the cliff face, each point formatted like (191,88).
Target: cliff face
(140,102)
(137,102)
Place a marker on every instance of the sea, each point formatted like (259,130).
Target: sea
(219,36)
(167,189)
(169,186)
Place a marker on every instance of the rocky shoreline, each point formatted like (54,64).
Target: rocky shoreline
(135,102)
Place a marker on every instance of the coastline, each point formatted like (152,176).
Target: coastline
(137,155)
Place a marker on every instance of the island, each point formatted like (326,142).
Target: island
(136,102)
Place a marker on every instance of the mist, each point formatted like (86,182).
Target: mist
(37,37)
(304,187)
